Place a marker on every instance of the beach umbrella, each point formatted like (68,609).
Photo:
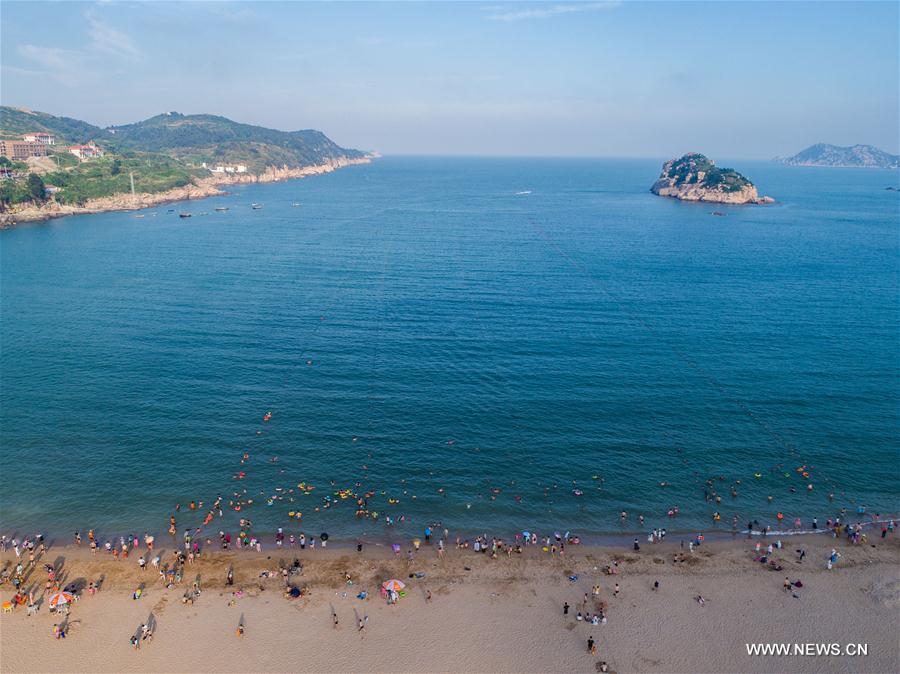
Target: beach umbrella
(60,598)
(393,585)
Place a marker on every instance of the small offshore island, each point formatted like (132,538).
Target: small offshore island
(695,177)
(835,156)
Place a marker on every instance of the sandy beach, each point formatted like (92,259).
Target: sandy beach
(484,614)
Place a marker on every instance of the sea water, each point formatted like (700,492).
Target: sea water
(493,344)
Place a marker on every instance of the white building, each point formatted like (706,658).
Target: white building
(88,151)
(45,138)
(238,168)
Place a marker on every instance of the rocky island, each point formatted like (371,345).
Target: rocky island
(695,177)
(853,156)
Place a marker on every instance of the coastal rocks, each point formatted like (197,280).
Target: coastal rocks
(694,177)
(276,173)
(202,188)
(117,202)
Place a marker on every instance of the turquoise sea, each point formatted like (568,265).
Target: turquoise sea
(473,338)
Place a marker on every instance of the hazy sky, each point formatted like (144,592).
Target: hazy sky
(732,79)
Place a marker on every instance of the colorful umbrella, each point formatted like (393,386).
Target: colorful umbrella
(61,598)
(393,585)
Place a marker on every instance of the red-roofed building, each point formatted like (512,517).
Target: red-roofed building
(89,151)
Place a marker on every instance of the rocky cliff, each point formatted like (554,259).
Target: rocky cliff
(695,177)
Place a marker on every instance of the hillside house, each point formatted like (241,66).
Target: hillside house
(237,168)
(44,138)
(89,151)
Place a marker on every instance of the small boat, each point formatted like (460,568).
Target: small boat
(184,215)
(140,215)
(256,207)
(295,204)
(221,208)
(523,192)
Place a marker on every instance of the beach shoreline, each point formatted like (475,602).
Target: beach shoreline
(201,189)
(386,536)
(465,611)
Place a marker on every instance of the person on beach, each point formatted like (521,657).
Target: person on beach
(229,579)
(655,585)
(566,608)
(334,618)
(592,647)
(616,591)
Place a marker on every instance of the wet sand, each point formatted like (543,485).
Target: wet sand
(501,615)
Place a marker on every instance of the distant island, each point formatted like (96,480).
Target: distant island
(695,177)
(854,156)
(52,166)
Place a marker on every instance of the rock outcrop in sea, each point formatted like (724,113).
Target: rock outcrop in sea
(695,177)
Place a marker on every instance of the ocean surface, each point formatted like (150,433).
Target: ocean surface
(468,340)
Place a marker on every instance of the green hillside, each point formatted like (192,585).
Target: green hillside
(17,121)
(112,175)
(216,139)
(697,168)
(163,152)
(184,134)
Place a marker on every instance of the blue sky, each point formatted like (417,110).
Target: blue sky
(642,79)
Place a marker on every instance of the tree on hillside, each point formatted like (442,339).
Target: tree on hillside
(116,167)
(36,187)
